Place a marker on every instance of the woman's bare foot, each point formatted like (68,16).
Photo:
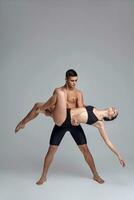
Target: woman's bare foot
(98,179)
(19,126)
(41,181)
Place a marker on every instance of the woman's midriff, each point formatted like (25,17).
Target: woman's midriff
(80,114)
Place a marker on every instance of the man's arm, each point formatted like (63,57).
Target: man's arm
(80,100)
(79,103)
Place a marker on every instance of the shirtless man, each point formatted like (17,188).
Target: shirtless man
(74,98)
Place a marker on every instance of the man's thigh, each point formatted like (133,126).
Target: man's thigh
(57,134)
(78,135)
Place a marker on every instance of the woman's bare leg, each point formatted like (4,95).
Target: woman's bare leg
(59,113)
(31,115)
(37,108)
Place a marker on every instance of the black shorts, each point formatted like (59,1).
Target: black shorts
(59,131)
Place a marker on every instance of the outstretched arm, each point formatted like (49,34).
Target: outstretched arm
(107,141)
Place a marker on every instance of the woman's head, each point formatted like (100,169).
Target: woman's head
(112,113)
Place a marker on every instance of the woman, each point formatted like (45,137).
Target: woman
(56,108)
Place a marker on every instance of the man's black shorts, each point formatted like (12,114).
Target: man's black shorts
(59,131)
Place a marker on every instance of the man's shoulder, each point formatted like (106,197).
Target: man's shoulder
(79,92)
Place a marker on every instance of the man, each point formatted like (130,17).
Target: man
(74,98)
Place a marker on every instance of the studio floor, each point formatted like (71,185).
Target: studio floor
(65,184)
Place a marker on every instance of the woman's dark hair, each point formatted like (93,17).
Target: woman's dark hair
(107,119)
(71,72)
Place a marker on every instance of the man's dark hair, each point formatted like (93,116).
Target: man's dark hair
(70,72)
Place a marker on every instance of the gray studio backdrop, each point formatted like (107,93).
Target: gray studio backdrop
(39,41)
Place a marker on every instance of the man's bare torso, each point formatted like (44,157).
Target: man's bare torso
(71,96)
(73,99)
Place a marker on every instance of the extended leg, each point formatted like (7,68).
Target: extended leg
(59,113)
(89,159)
(31,115)
(47,161)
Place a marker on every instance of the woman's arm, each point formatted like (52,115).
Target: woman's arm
(107,141)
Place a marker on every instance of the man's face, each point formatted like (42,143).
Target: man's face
(71,81)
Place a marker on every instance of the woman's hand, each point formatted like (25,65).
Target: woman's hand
(122,162)
(101,128)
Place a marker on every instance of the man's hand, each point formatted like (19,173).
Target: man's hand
(74,120)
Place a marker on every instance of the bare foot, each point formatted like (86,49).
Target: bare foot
(98,179)
(41,181)
(19,126)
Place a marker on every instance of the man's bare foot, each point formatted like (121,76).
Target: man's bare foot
(98,179)
(41,181)
(19,126)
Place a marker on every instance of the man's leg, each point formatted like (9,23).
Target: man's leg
(47,161)
(89,159)
(57,134)
(80,139)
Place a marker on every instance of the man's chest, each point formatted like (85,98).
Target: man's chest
(71,97)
